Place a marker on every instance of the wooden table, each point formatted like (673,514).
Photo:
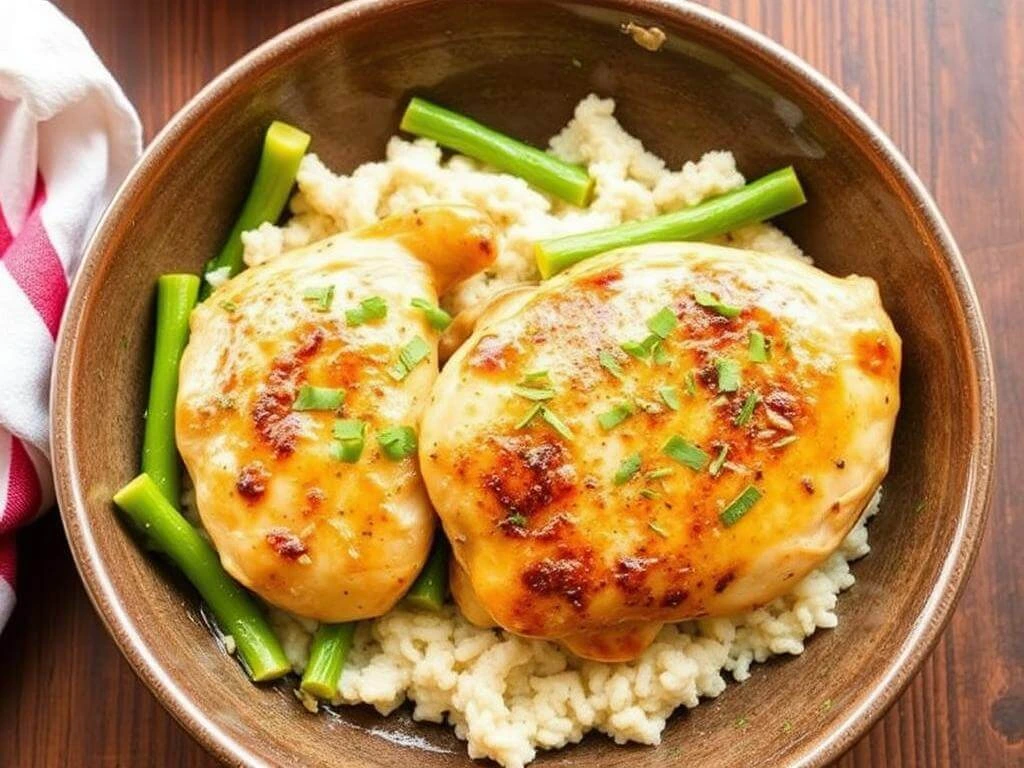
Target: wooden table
(945,78)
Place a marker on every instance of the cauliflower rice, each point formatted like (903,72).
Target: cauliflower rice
(505,695)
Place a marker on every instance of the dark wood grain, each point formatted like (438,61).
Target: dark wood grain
(945,78)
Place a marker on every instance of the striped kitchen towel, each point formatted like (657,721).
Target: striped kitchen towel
(68,136)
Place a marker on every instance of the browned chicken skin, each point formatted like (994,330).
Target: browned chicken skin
(308,532)
(594,534)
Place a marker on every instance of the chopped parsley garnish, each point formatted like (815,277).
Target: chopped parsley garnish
(659,355)
(348,440)
(658,474)
(758,349)
(670,396)
(610,364)
(616,415)
(536,377)
(691,383)
(534,393)
(373,308)
(409,357)
(516,520)
(397,443)
(739,506)
(712,302)
(523,422)
(658,530)
(322,296)
(436,317)
(662,323)
(227,306)
(719,462)
(650,348)
(685,452)
(318,398)
(549,416)
(555,423)
(627,469)
(728,374)
(743,417)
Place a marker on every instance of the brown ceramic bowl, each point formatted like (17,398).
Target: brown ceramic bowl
(520,66)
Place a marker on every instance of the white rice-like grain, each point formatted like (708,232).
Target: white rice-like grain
(506,696)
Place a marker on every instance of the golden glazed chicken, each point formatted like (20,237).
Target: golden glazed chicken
(300,393)
(661,433)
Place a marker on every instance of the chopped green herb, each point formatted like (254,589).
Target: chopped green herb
(516,520)
(556,423)
(758,350)
(629,467)
(649,493)
(228,306)
(670,396)
(712,302)
(643,350)
(685,452)
(743,417)
(610,364)
(521,424)
(436,317)
(741,722)
(616,415)
(657,474)
(728,374)
(739,506)
(409,356)
(659,355)
(691,383)
(373,308)
(348,440)
(719,462)
(782,442)
(322,296)
(533,393)
(349,429)
(397,442)
(658,530)
(535,377)
(414,352)
(318,398)
(662,323)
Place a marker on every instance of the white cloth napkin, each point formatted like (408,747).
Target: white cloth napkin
(68,136)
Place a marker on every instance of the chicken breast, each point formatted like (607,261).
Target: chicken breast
(658,434)
(290,367)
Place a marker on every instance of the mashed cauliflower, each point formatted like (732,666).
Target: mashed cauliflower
(505,695)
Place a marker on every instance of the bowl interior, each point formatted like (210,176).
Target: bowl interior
(521,67)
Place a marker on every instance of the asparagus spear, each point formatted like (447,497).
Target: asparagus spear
(769,196)
(431,586)
(283,148)
(236,612)
(331,645)
(175,297)
(450,129)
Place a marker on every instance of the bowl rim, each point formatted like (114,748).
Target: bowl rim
(936,611)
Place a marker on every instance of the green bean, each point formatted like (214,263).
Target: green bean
(283,148)
(450,129)
(238,615)
(175,298)
(769,196)
(327,654)
(431,586)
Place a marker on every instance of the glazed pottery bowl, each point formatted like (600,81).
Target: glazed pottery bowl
(344,76)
